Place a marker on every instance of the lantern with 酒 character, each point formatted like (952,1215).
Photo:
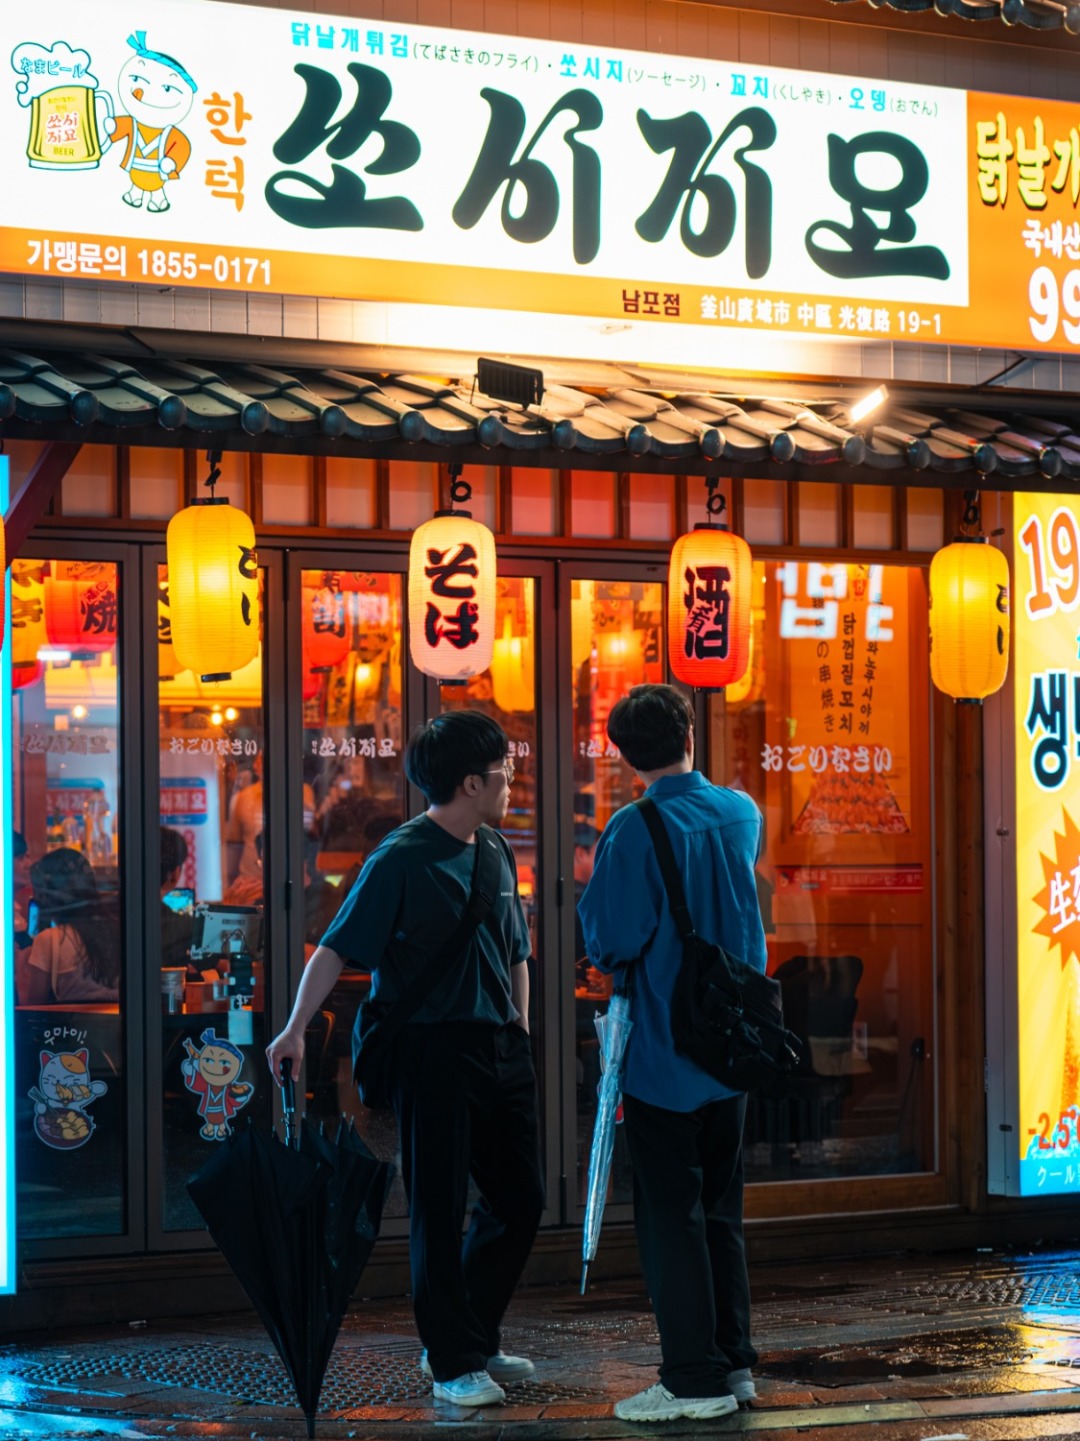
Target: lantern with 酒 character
(452,594)
(969,619)
(213,586)
(709,604)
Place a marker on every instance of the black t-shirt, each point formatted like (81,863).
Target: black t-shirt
(403,908)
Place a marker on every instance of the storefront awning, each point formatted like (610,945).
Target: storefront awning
(1035,14)
(684,426)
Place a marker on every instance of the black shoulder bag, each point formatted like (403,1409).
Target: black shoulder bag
(377,1026)
(726,1017)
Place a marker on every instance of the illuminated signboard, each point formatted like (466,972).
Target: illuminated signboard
(1046,737)
(283,152)
(7,962)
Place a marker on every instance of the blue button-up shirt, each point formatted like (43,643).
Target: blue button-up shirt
(716,836)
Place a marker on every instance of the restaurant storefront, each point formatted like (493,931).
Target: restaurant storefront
(187,822)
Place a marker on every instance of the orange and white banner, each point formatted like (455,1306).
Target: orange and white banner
(278,152)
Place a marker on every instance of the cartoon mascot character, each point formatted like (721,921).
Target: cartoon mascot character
(157,94)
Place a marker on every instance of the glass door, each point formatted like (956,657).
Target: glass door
(613,638)
(513,691)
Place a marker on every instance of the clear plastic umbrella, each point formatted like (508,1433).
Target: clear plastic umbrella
(614,1030)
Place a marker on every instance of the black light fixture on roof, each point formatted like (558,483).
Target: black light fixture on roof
(516,384)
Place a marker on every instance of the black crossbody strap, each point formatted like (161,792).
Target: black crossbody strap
(487,870)
(669,870)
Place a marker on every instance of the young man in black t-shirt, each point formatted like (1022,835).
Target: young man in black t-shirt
(464,1087)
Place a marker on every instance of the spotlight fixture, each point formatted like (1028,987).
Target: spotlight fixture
(869,403)
(516,384)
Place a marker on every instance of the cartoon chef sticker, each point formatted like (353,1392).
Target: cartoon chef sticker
(211,1072)
(157,94)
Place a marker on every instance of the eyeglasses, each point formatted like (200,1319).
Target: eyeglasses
(506,769)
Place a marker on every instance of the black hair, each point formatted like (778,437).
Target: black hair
(18,845)
(585,835)
(67,895)
(174,852)
(454,745)
(650,726)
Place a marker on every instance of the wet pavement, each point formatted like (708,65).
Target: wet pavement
(973,1347)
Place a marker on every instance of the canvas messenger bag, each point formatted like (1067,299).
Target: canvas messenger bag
(726,1017)
(377,1025)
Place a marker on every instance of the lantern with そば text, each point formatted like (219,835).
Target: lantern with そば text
(709,601)
(969,619)
(213,587)
(452,594)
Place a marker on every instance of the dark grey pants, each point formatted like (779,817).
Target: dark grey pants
(688,1212)
(465,1098)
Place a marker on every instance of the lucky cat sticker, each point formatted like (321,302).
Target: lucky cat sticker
(212,1072)
(61,1098)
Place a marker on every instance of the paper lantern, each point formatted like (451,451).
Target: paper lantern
(27,621)
(213,588)
(709,604)
(81,615)
(452,597)
(168,666)
(969,619)
(311,679)
(326,627)
(511,670)
(3,587)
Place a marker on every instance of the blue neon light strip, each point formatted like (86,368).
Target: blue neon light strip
(7,950)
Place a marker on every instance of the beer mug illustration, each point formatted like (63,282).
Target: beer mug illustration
(66,107)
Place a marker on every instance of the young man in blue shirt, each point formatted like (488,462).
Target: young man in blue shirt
(464,1090)
(684,1129)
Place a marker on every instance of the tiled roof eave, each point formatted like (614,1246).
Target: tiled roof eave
(1046,15)
(987,442)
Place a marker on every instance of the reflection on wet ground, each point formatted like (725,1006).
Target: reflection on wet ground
(981,1346)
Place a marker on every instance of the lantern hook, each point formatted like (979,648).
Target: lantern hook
(213,458)
(460,490)
(972,516)
(716,501)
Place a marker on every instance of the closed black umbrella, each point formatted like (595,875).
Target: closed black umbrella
(296,1222)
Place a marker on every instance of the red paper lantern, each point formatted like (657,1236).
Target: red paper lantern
(25,672)
(326,628)
(709,598)
(311,679)
(81,615)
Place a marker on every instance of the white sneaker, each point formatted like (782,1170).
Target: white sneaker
(658,1404)
(742,1385)
(475,1388)
(502,1367)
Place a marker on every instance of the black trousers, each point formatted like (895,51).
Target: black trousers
(688,1212)
(465,1098)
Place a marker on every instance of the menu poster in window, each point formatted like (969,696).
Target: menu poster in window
(838,737)
(1047,747)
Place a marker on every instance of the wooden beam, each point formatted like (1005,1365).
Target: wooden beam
(31,500)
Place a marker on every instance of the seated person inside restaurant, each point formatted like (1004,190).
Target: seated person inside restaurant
(75,955)
(175,926)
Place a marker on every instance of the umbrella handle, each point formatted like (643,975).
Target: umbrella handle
(288,1094)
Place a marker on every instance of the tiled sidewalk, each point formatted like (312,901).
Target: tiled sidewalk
(983,1346)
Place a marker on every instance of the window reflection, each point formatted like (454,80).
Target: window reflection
(69,959)
(828,732)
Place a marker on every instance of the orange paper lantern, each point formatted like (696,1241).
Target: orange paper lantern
(969,619)
(213,588)
(27,621)
(81,615)
(452,597)
(709,600)
(326,628)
